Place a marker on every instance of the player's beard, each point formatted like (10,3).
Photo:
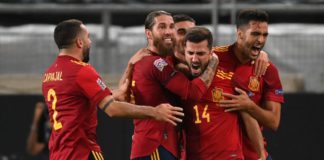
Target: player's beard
(86,53)
(164,49)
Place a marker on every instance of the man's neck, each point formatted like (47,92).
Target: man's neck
(71,53)
(238,52)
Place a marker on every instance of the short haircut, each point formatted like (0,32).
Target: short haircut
(66,31)
(198,34)
(247,15)
(183,17)
(149,20)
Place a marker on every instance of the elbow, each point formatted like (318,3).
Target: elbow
(111,112)
(274,126)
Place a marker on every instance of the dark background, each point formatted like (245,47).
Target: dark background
(300,135)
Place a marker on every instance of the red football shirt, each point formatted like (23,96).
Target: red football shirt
(155,81)
(259,89)
(72,90)
(211,133)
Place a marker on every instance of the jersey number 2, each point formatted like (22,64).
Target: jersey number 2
(205,114)
(51,96)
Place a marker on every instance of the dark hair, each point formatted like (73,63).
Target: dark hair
(247,15)
(183,17)
(149,20)
(198,34)
(66,31)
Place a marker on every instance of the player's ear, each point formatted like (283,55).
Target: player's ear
(148,34)
(239,33)
(79,42)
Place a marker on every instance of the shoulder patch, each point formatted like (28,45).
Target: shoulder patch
(101,84)
(279,92)
(221,48)
(160,64)
(79,63)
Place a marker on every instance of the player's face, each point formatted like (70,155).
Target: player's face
(163,34)
(197,56)
(181,30)
(85,35)
(253,37)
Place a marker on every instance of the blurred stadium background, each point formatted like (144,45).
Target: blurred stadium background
(295,45)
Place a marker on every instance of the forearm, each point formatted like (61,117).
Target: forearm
(254,133)
(208,75)
(265,117)
(127,73)
(33,146)
(127,110)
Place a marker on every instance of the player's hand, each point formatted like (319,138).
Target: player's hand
(236,102)
(140,54)
(167,113)
(123,91)
(261,64)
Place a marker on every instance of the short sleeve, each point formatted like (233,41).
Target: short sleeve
(272,85)
(92,85)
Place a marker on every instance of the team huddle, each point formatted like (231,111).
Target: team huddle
(189,100)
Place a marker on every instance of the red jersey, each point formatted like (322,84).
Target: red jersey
(72,90)
(211,133)
(259,89)
(155,81)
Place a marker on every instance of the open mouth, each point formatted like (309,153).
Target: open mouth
(195,68)
(256,50)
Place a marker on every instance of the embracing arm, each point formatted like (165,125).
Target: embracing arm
(268,115)
(208,75)
(261,64)
(162,112)
(123,91)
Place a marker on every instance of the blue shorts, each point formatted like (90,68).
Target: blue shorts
(159,154)
(269,157)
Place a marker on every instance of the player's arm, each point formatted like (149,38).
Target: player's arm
(33,146)
(179,84)
(123,91)
(261,64)
(268,115)
(208,75)
(254,134)
(162,112)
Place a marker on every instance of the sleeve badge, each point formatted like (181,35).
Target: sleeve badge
(101,84)
(160,64)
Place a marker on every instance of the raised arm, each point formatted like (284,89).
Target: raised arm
(261,64)
(123,91)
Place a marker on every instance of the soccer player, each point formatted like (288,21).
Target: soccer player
(211,134)
(156,81)
(262,96)
(73,89)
